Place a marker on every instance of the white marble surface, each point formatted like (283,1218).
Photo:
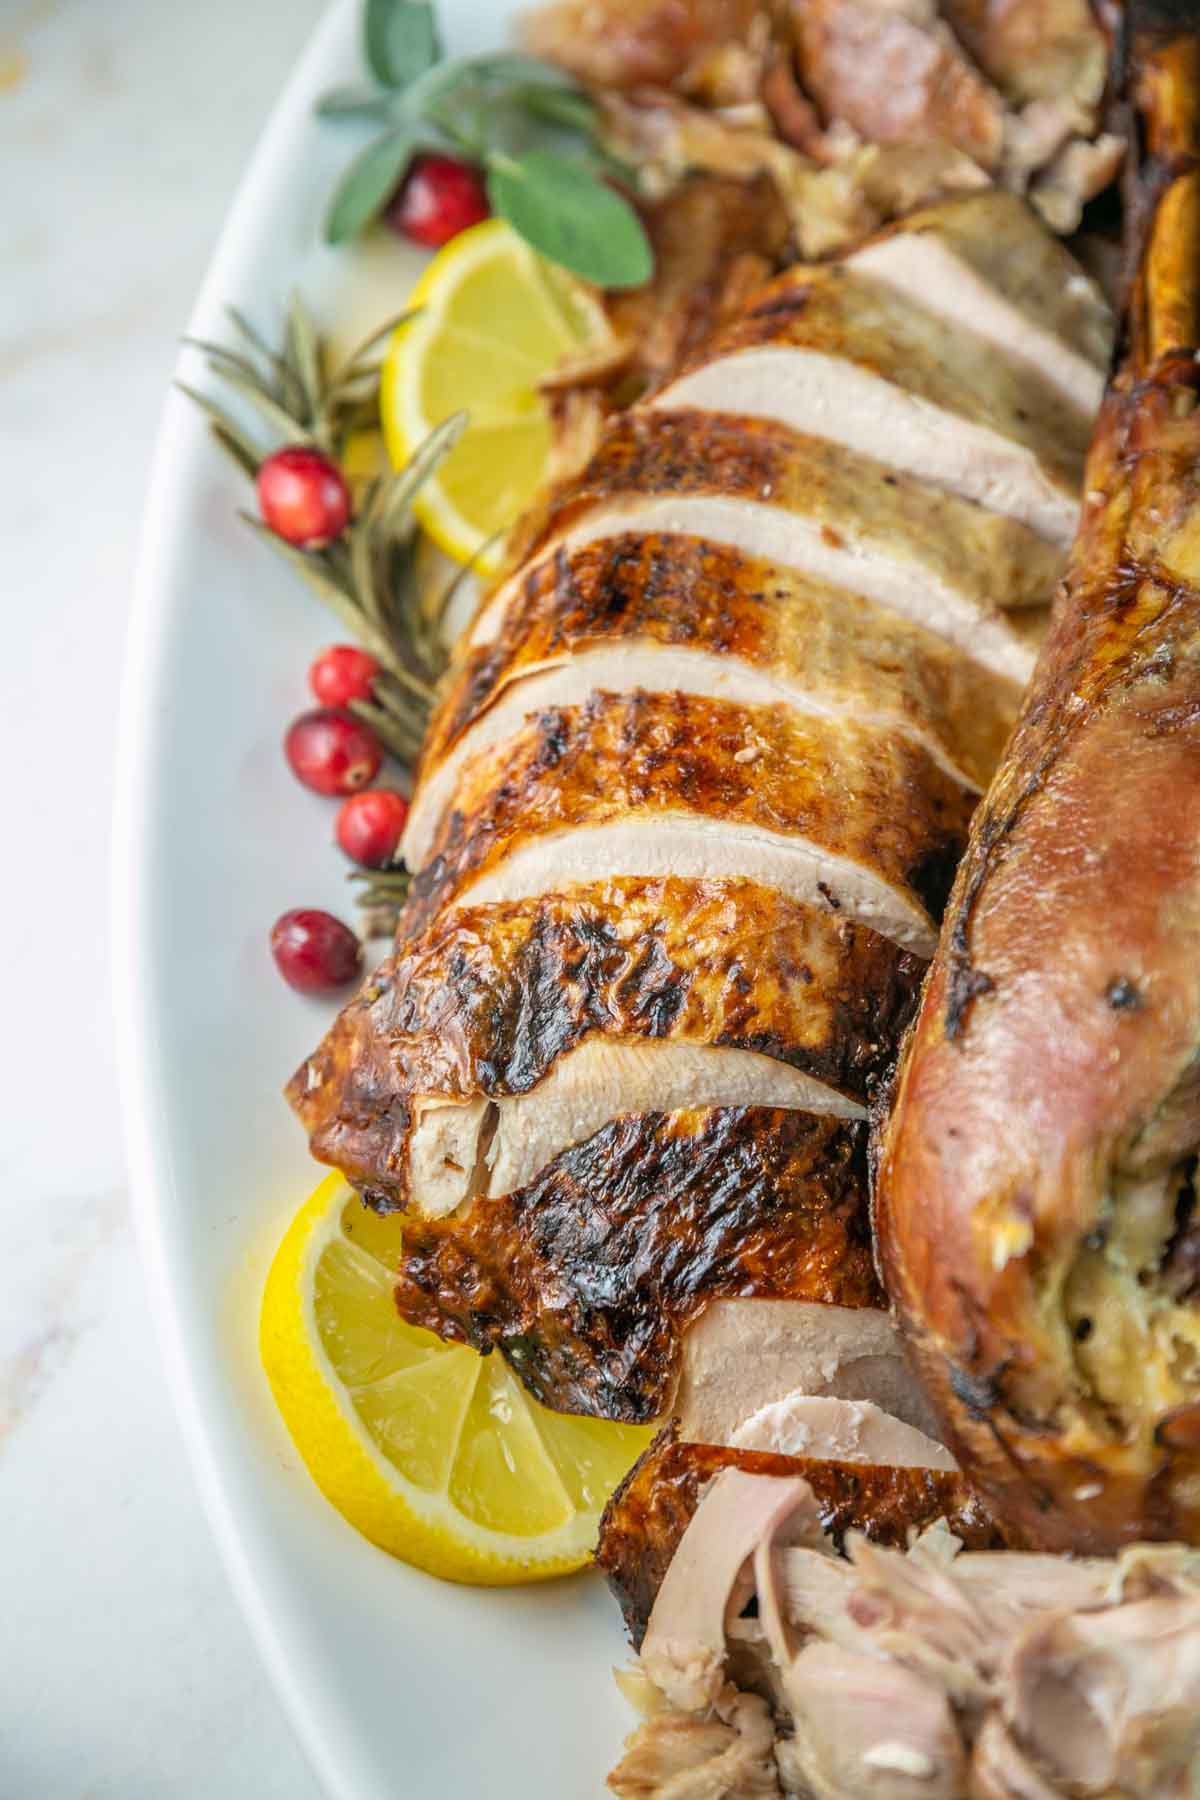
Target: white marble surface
(125,1669)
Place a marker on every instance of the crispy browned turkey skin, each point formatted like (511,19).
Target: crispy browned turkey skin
(588,1277)
(1036,1194)
(672,780)
(683,830)
(641,607)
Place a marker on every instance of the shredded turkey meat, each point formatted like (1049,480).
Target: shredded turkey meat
(938,1673)
(858,110)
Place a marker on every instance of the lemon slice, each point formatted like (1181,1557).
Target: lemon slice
(494,320)
(433,1452)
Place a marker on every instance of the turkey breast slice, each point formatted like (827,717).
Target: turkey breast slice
(844,356)
(482,1005)
(591,1275)
(675,613)
(836,1430)
(987,263)
(805,503)
(791,541)
(667,844)
(742,1356)
(672,784)
(460,1148)
(629,668)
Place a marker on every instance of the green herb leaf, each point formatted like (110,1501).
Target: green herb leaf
(514,65)
(302,355)
(227,432)
(354,103)
(571,217)
(471,77)
(368,185)
(376,341)
(569,107)
(401,40)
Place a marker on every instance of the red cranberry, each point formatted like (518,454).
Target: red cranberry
(331,751)
(438,198)
(303,496)
(369,826)
(342,674)
(314,952)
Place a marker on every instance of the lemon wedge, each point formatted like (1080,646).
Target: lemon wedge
(435,1453)
(494,319)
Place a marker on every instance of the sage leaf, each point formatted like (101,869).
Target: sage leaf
(354,103)
(401,40)
(567,107)
(368,185)
(514,65)
(463,76)
(573,218)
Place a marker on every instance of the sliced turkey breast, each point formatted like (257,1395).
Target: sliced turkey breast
(479,1008)
(746,1355)
(680,614)
(986,263)
(666,937)
(852,1431)
(673,784)
(840,354)
(591,1277)
(600,1080)
(524,1056)
(809,504)
(801,1384)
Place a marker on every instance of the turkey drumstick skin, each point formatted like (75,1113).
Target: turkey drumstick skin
(1036,1184)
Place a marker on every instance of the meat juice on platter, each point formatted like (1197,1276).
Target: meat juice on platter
(690,801)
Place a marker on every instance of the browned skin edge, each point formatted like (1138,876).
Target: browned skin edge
(865,794)
(652,1508)
(679,591)
(842,313)
(489,998)
(1057,1038)
(587,1278)
(664,451)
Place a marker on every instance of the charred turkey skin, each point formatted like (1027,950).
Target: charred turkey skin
(867,797)
(588,1278)
(698,613)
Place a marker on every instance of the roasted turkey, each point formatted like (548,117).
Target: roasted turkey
(683,829)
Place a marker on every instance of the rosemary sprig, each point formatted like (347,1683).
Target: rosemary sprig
(365,576)
(381,893)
